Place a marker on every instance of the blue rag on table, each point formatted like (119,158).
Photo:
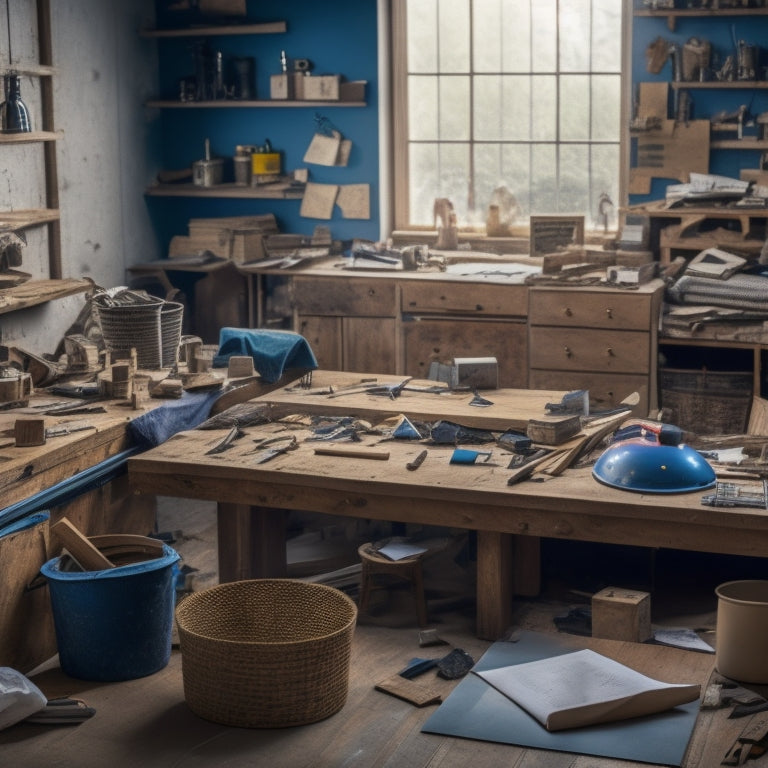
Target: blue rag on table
(272,351)
(156,426)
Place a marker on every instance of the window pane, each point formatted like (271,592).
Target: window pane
(574,182)
(422,41)
(605,158)
(544,108)
(606,36)
(453,32)
(606,107)
(544,179)
(455,177)
(422,109)
(516,174)
(574,108)
(487,39)
(516,23)
(575,35)
(454,108)
(423,182)
(544,25)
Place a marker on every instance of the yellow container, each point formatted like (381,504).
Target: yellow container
(265,163)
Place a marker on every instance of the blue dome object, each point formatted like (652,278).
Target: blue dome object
(646,467)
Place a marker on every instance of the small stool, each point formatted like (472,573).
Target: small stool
(409,569)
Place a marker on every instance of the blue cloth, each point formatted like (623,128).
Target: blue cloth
(272,351)
(156,426)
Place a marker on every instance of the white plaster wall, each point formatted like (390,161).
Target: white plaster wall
(105,157)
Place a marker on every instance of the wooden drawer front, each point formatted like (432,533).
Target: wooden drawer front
(440,340)
(323,335)
(369,344)
(606,390)
(345,296)
(577,349)
(621,310)
(470,298)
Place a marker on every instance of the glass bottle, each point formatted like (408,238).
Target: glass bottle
(14,115)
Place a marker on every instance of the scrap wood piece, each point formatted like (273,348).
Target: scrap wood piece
(80,548)
(408,690)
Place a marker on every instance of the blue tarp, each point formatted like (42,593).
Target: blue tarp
(272,351)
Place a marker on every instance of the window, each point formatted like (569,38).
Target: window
(511,101)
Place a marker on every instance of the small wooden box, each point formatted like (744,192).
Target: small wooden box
(621,614)
(281,86)
(320,87)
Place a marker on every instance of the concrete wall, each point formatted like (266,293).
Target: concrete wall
(105,156)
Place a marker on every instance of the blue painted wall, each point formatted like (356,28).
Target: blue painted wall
(721,32)
(339,38)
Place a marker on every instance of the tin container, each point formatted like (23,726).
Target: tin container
(208,173)
(265,163)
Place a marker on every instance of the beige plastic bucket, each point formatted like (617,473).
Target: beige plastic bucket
(742,631)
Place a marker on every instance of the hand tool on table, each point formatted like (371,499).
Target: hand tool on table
(417,462)
(353,454)
(665,434)
(233,434)
(270,447)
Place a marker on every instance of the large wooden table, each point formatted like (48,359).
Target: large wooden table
(508,519)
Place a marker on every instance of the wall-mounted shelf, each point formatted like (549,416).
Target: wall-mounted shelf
(232,103)
(672,15)
(269,28)
(739,144)
(28,138)
(718,84)
(36,292)
(24,219)
(267,191)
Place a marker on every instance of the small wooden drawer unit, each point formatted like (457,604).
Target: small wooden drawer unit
(600,339)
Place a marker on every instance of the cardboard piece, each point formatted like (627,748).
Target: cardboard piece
(323,149)
(674,152)
(354,201)
(476,710)
(318,200)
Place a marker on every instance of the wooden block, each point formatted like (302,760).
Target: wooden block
(29,432)
(408,690)
(80,547)
(321,87)
(553,430)
(281,86)
(621,614)
(239,366)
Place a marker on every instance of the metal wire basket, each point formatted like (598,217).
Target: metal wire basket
(266,653)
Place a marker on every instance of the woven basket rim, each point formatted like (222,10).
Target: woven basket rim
(197,596)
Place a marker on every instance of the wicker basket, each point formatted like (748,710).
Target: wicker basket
(707,402)
(171,316)
(133,326)
(266,653)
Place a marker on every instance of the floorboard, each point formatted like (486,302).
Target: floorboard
(146,723)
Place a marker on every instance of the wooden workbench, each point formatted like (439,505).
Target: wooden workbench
(475,497)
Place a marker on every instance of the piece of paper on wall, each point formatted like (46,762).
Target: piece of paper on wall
(318,200)
(344,149)
(355,201)
(323,149)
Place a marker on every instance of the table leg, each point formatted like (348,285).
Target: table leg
(494,583)
(251,542)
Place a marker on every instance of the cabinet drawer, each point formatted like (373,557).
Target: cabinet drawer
(442,339)
(575,349)
(606,390)
(621,310)
(333,296)
(469,298)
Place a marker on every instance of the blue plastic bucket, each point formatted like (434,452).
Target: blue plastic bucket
(114,624)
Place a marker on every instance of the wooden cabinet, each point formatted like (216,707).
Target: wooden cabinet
(350,322)
(599,339)
(445,320)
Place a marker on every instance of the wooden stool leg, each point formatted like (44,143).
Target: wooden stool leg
(365,588)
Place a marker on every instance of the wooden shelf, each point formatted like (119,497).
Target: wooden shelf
(24,219)
(260,103)
(29,137)
(672,15)
(31,70)
(36,292)
(754,144)
(717,84)
(269,28)
(267,191)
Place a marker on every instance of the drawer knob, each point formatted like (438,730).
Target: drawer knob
(567,351)
(568,312)
(609,312)
(479,307)
(610,352)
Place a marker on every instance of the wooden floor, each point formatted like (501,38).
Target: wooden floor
(146,723)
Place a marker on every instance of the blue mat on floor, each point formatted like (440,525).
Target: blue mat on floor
(475,710)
